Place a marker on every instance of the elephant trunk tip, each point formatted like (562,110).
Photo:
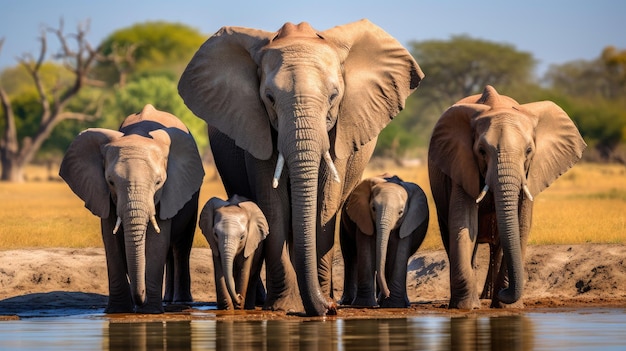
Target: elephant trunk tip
(510,295)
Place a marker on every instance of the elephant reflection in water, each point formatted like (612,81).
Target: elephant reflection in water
(513,332)
(150,336)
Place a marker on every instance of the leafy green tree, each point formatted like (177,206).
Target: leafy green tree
(153,47)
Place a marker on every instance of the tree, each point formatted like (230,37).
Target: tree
(53,100)
(146,48)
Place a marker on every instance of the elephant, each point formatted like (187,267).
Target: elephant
(488,158)
(312,102)
(235,230)
(384,222)
(150,166)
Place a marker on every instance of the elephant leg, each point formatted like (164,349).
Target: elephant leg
(178,277)
(254,282)
(463,237)
(491,281)
(282,286)
(398,253)
(120,300)
(325,255)
(366,270)
(348,247)
(157,247)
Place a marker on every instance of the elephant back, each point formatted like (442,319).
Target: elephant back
(150,119)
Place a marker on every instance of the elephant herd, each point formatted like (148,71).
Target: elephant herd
(293,117)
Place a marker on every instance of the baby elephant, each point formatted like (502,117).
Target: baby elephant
(235,230)
(384,222)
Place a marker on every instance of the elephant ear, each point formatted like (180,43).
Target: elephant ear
(82,169)
(379,74)
(184,170)
(206,222)
(451,146)
(358,205)
(258,228)
(417,209)
(558,145)
(221,86)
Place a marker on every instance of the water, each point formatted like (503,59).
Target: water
(586,329)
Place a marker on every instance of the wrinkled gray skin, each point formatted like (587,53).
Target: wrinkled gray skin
(147,176)
(384,222)
(316,98)
(517,150)
(235,230)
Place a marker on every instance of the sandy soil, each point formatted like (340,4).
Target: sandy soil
(38,282)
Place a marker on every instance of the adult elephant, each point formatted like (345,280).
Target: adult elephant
(384,222)
(510,151)
(298,96)
(235,230)
(149,167)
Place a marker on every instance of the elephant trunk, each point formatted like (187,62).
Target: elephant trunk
(383,231)
(228,258)
(136,220)
(303,156)
(506,196)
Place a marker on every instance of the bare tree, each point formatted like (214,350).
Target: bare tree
(79,59)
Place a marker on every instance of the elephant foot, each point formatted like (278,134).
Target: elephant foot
(119,309)
(394,302)
(465,304)
(364,301)
(150,309)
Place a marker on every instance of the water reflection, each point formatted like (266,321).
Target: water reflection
(433,333)
(581,330)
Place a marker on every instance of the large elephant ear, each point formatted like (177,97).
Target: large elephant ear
(358,205)
(221,86)
(82,169)
(206,222)
(451,146)
(417,211)
(558,145)
(184,170)
(258,228)
(379,74)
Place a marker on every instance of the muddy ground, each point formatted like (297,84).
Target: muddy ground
(41,282)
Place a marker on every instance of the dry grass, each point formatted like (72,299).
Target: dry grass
(587,204)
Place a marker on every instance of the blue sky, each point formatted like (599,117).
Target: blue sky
(554,31)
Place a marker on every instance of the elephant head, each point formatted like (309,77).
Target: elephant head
(233,228)
(512,150)
(325,94)
(139,173)
(380,205)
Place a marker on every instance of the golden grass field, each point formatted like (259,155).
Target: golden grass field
(585,205)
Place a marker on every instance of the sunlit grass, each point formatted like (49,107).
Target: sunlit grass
(586,205)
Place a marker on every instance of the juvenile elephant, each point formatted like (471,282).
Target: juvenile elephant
(313,101)
(235,230)
(384,222)
(510,151)
(150,166)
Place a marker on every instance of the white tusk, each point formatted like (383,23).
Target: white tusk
(482,194)
(155,225)
(279,170)
(117,225)
(331,166)
(527,192)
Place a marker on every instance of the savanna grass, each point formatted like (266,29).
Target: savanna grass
(585,205)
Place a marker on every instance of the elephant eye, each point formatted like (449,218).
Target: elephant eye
(529,150)
(482,151)
(270,98)
(110,181)
(332,97)
(400,213)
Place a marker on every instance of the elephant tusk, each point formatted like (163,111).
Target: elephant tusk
(155,225)
(279,170)
(331,166)
(527,192)
(482,194)
(117,225)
